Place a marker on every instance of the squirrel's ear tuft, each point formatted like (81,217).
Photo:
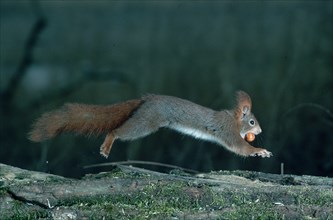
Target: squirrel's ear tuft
(244,103)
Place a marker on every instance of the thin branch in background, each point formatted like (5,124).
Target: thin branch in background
(312,105)
(27,57)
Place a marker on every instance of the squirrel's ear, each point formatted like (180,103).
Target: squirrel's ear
(244,103)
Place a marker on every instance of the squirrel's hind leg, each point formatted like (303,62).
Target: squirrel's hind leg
(107,145)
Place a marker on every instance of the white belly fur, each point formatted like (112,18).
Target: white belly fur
(194,133)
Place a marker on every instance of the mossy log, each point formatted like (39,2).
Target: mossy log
(136,193)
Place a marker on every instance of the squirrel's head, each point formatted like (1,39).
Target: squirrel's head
(246,120)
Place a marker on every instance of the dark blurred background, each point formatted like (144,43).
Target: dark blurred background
(102,52)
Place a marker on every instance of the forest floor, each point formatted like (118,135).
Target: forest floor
(135,193)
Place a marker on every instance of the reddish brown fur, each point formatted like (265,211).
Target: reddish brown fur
(82,119)
(243,99)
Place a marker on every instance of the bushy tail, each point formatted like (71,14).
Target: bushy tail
(82,119)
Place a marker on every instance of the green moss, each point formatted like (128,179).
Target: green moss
(55,179)
(307,196)
(252,210)
(161,200)
(156,199)
(21,211)
(22,176)
(3,191)
(117,173)
(166,198)
(242,204)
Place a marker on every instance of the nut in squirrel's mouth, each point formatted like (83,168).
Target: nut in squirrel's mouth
(249,137)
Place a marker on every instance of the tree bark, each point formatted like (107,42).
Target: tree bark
(129,192)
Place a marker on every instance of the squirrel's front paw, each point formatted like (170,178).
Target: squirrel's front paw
(262,153)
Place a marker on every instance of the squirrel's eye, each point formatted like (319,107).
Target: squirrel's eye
(251,122)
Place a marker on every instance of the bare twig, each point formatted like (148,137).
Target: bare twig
(27,57)
(130,162)
(312,105)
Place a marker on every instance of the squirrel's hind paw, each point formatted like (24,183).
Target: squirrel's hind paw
(262,153)
(103,154)
(107,145)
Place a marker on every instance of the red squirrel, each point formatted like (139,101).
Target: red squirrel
(140,117)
